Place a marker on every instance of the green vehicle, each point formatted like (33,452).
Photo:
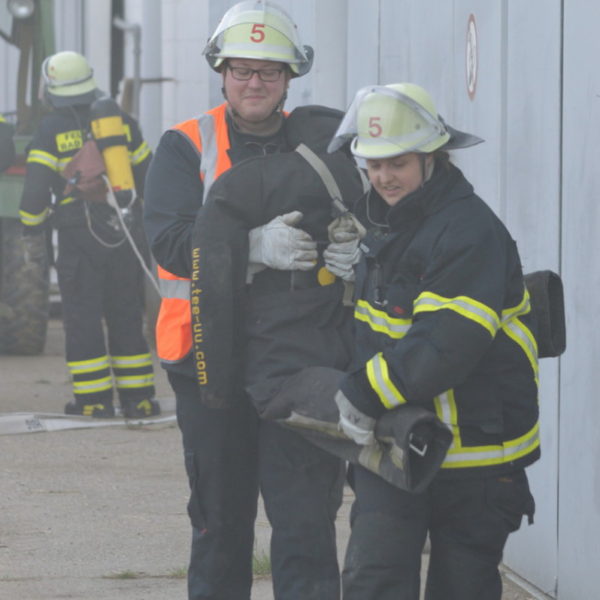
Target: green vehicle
(24,261)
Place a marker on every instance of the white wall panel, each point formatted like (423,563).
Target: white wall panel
(579,499)
(185,29)
(9,60)
(482,114)
(531,116)
(362,46)
(68,19)
(416,47)
(329,71)
(97,24)
(150,19)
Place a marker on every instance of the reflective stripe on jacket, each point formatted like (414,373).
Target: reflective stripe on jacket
(209,136)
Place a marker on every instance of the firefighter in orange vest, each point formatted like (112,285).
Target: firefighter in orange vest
(229,453)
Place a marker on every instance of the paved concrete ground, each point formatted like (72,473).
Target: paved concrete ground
(98,513)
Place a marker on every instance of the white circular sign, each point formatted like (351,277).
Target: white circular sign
(471,57)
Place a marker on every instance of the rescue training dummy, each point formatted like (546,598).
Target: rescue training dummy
(252,334)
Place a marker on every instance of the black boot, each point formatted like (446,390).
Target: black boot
(140,409)
(98,410)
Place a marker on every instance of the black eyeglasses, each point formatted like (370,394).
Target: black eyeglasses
(245,74)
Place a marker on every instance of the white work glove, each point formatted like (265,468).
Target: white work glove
(342,253)
(355,424)
(340,258)
(279,245)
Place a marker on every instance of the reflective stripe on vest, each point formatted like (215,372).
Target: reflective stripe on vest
(209,136)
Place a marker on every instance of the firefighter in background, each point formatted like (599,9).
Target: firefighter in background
(228,451)
(443,321)
(7,146)
(99,276)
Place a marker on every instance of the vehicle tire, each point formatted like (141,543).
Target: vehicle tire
(24,290)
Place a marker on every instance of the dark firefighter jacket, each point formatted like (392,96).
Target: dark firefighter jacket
(443,322)
(7,146)
(57,139)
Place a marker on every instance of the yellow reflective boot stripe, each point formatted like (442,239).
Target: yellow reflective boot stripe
(379,378)
(380,321)
(145,405)
(88,366)
(31,219)
(92,386)
(131,362)
(463,305)
(140,154)
(459,456)
(135,381)
(89,409)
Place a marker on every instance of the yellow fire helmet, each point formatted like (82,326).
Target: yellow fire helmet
(260,30)
(68,79)
(399,118)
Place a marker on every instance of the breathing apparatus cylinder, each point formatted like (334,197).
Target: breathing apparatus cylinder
(110,135)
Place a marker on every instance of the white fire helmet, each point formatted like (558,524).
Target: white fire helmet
(395,119)
(67,79)
(260,30)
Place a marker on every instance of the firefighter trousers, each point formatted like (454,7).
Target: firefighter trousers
(229,456)
(468,521)
(103,286)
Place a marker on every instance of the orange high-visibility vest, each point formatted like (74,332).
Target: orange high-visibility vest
(209,136)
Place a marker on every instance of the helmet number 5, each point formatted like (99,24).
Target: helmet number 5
(375,127)
(258,34)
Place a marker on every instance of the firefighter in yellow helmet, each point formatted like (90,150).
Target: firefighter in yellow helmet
(443,322)
(229,453)
(99,276)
